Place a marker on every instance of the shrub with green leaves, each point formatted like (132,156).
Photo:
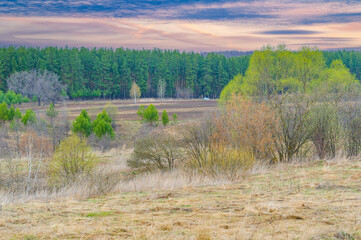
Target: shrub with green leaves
(29,117)
(10,97)
(72,158)
(82,124)
(165,118)
(102,125)
(140,111)
(150,114)
(175,118)
(3,112)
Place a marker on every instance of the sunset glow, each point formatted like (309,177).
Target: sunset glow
(186,25)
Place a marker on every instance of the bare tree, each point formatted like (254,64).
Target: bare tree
(45,86)
(161,88)
(135,92)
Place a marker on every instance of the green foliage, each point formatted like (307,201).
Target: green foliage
(109,73)
(150,114)
(140,111)
(10,97)
(273,71)
(11,113)
(175,118)
(29,117)
(17,114)
(51,112)
(102,125)
(233,87)
(4,112)
(165,118)
(82,124)
(72,158)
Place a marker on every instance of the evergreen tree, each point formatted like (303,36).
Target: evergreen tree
(165,118)
(82,124)
(29,117)
(150,114)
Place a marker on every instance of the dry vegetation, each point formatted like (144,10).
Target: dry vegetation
(317,200)
(127,109)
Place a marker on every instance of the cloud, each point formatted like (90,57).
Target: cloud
(341,17)
(289,32)
(219,14)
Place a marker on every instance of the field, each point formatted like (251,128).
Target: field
(318,200)
(127,109)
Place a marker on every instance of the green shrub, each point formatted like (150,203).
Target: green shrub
(3,112)
(29,117)
(103,128)
(82,124)
(11,113)
(72,158)
(175,118)
(150,114)
(165,118)
(102,125)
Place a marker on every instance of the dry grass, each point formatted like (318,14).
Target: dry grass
(317,200)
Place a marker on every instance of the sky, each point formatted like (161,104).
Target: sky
(190,25)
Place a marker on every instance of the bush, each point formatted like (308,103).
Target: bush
(72,158)
(3,112)
(112,111)
(175,118)
(246,124)
(294,129)
(82,124)
(102,125)
(210,157)
(351,122)
(150,114)
(165,118)
(324,130)
(29,117)
(103,128)
(156,152)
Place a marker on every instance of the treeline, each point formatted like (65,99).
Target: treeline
(109,73)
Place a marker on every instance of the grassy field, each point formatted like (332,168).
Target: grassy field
(127,109)
(318,200)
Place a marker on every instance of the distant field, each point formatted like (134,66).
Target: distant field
(185,109)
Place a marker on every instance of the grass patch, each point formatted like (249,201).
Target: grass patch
(98,214)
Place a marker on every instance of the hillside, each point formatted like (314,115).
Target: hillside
(318,200)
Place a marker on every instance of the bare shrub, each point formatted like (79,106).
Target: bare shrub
(351,123)
(210,156)
(294,132)
(156,152)
(103,144)
(185,93)
(246,124)
(35,148)
(325,130)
